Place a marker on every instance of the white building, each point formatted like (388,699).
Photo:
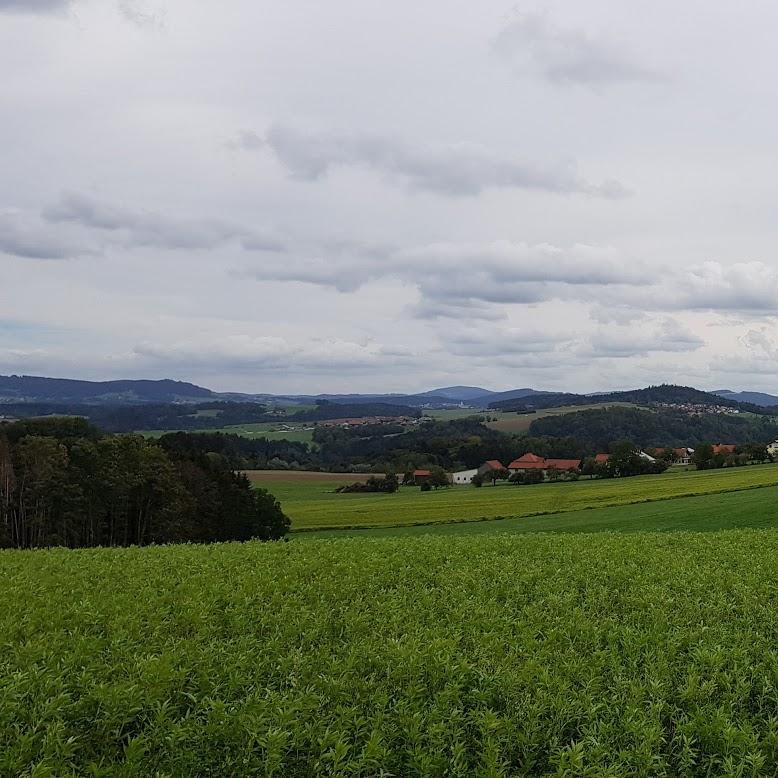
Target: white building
(772,449)
(463,476)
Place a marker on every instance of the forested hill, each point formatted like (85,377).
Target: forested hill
(651,395)
(598,427)
(16,389)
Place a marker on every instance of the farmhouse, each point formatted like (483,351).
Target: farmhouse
(531,461)
(602,459)
(490,465)
(772,449)
(417,478)
(724,448)
(463,476)
(681,456)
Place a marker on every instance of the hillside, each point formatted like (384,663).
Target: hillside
(664,394)
(754,398)
(18,389)
(601,426)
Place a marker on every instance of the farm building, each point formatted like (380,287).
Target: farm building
(772,449)
(463,476)
(681,456)
(602,459)
(531,461)
(724,448)
(490,465)
(417,477)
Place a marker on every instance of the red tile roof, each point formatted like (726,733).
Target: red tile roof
(564,464)
(422,473)
(534,462)
(494,464)
(724,448)
(601,459)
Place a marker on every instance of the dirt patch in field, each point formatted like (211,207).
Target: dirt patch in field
(304,476)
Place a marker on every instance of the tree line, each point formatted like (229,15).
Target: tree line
(64,483)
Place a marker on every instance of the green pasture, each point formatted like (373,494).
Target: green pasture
(317,506)
(552,654)
(299,434)
(748,509)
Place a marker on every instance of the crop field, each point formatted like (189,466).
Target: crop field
(645,654)
(315,505)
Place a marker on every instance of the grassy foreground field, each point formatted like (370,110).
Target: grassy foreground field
(313,503)
(503,655)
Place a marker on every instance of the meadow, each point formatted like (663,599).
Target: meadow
(299,433)
(604,654)
(313,503)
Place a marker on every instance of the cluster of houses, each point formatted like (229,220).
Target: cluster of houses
(532,462)
(363,421)
(523,464)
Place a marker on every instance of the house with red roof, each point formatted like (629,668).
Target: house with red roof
(602,459)
(489,466)
(681,456)
(724,448)
(530,461)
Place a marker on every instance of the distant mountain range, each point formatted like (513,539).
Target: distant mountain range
(29,389)
(755,398)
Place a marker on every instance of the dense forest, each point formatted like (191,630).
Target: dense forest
(597,427)
(63,482)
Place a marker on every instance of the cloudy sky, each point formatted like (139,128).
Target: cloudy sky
(359,195)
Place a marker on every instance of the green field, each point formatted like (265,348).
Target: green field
(300,433)
(749,509)
(644,654)
(314,504)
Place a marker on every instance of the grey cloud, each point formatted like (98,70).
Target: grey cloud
(25,237)
(467,275)
(506,342)
(34,6)
(135,13)
(458,170)
(623,342)
(243,352)
(566,56)
(246,140)
(462,309)
(146,228)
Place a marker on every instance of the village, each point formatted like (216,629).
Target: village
(531,468)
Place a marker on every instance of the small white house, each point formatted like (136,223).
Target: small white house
(772,449)
(463,476)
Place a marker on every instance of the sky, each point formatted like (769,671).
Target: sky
(362,196)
